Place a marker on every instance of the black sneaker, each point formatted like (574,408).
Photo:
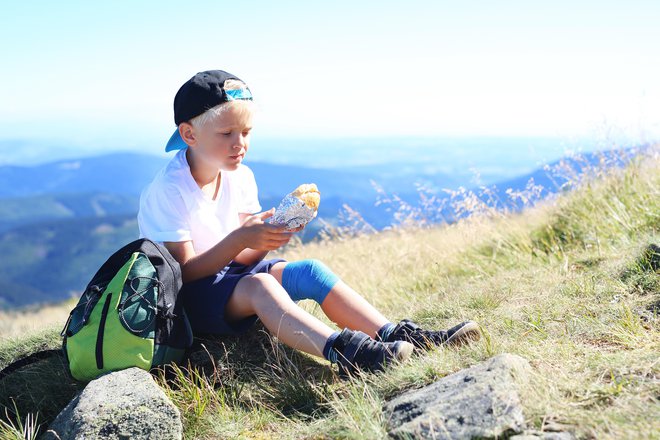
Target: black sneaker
(407,330)
(357,351)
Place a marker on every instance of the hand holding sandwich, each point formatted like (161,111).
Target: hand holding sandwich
(296,210)
(256,234)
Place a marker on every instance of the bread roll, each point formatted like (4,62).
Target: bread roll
(309,194)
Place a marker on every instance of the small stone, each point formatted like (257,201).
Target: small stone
(539,435)
(125,404)
(558,436)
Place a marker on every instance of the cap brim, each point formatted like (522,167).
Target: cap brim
(175,142)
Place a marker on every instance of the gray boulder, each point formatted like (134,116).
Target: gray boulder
(126,404)
(478,402)
(537,435)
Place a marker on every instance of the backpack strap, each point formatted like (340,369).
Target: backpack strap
(31,359)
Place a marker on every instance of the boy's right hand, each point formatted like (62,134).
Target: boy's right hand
(258,235)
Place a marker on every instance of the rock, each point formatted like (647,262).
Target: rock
(557,436)
(122,405)
(481,401)
(538,435)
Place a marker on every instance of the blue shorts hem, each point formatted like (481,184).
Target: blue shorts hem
(205,299)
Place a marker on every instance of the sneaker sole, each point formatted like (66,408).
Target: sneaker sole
(468,333)
(403,350)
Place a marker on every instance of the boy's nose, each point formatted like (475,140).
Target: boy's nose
(242,141)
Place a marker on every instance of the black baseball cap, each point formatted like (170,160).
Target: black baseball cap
(203,91)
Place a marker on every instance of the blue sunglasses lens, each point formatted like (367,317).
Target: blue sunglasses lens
(238,94)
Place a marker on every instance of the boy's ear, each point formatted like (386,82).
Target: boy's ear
(187,133)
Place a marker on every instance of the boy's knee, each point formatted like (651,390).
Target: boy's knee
(308,279)
(262,285)
(261,281)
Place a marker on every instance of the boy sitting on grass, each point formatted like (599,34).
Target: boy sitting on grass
(203,207)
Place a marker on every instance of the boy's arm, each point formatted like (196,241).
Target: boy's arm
(251,256)
(195,266)
(252,233)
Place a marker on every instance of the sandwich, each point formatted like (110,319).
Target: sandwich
(298,207)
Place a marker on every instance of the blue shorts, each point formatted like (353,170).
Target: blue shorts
(205,299)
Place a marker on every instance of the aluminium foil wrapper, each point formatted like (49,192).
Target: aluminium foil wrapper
(292,212)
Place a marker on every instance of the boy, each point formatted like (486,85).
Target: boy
(202,207)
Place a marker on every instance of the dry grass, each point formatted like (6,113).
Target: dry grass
(564,285)
(16,323)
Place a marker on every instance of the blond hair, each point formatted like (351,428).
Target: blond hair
(243,105)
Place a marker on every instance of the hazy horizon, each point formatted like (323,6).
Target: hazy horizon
(106,73)
(487,159)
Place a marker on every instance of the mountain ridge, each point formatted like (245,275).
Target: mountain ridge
(83,229)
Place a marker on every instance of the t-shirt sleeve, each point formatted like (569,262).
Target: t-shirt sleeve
(163,215)
(249,195)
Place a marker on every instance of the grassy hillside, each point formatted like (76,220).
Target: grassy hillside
(48,262)
(570,285)
(15,212)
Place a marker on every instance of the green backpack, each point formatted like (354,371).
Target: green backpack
(128,315)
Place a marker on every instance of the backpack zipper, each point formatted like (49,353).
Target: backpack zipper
(99,335)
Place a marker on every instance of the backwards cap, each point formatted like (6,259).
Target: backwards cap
(200,93)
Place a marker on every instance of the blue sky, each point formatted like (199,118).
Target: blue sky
(106,72)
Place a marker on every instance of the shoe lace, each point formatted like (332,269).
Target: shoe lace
(434,336)
(370,354)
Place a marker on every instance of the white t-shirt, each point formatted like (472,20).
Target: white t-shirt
(174,208)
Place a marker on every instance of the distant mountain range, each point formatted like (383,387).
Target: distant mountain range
(59,221)
(111,185)
(128,174)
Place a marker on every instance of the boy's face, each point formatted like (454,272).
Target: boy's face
(224,141)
